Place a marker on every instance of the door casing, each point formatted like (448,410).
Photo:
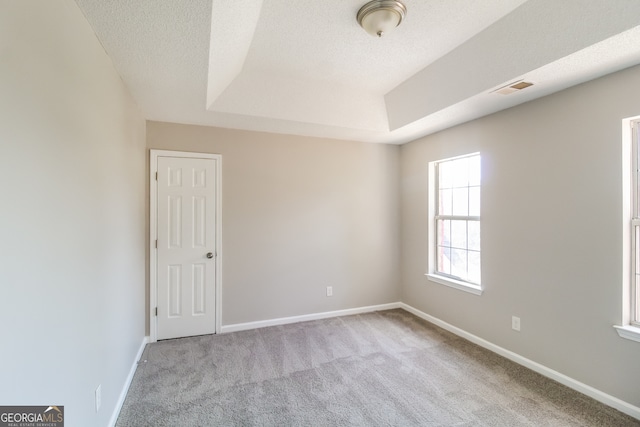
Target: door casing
(153,235)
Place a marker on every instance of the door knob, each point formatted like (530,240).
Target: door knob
(210,255)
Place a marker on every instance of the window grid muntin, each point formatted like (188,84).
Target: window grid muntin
(472,181)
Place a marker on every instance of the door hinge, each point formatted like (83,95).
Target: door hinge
(156,243)
(156,311)
(156,176)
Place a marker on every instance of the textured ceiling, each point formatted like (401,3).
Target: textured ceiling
(306,67)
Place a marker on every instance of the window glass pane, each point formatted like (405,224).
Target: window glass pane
(459,263)
(460,172)
(445,202)
(636,176)
(637,260)
(443,233)
(444,263)
(473,235)
(459,234)
(474,267)
(461,201)
(444,175)
(474,201)
(474,170)
(636,284)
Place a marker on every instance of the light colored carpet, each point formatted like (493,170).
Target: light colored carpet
(387,368)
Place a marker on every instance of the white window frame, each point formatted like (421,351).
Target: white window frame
(630,325)
(432,273)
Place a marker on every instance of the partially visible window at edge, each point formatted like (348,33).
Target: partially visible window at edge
(456,219)
(635,225)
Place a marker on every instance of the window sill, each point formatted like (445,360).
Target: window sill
(628,332)
(456,284)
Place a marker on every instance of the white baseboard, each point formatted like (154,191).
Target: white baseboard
(306,317)
(127,383)
(596,394)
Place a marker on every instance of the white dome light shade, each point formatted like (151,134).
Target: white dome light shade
(379,17)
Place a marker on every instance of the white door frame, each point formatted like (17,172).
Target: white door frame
(153,234)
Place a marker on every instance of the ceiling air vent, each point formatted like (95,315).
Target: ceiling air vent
(512,87)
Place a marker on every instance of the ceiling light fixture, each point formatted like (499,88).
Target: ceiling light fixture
(379,17)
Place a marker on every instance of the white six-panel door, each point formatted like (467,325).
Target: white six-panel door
(186,253)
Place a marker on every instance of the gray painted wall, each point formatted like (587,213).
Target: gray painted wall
(551,231)
(72,215)
(299,214)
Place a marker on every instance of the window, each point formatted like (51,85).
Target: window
(630,328)
(455,223)
(635,225)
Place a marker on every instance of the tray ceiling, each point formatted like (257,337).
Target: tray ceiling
(307,68)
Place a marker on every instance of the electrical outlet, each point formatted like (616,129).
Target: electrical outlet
(329,291)
(515,323)
(98,397)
